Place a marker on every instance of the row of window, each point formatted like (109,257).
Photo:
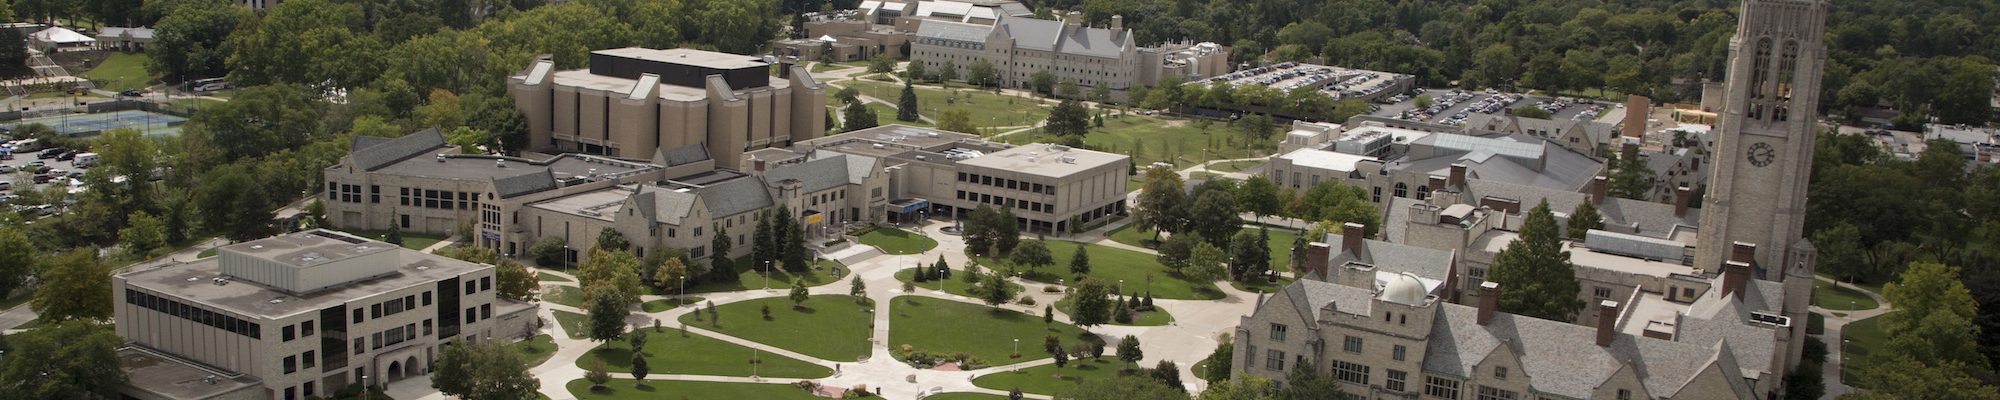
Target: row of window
(391,336)
(393,306)
(304,329)
(1006,183)
(307,360)
(347,193)
(829,197)
(439,199)
(307,393)
(1007,202)
(194,313)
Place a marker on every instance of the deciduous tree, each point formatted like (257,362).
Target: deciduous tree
(63,360)
(74,285)
(483,370)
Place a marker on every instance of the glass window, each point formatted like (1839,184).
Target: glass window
(1396,380)
(287,333)
(1500,372)
(1274,360)
(1278,332)
(1352,344)
(1440,388)
(1350,372)
(1400,352)
(306,329)
(291,364)
(1492,393)
(310,361)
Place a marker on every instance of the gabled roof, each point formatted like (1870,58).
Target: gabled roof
(1653,219)
(954,31)
(381,154)
(534,181)
(1558,358)
(1046,35)
(663,205)
(1394,258)
(814,175)
(735,196)
(682,155)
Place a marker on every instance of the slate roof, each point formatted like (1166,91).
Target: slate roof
(1394,258)
(814,175)
(1308,296)
(381,154)
(954,31)
(1653,219)
(533,181)
(1560,358)
(1046,35)
(682,155)
(1399,211)
(663,205)
(735,196)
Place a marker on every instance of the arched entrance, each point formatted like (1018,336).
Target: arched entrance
(411,367)
(395,371)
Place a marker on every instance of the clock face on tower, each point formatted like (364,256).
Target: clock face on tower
(1761,154)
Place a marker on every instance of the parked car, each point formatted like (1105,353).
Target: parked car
(50,153)
(6,169)
(44,178)
(66,156)
(132,93)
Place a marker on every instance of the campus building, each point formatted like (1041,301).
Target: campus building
(1391,161)
(301,315)
(632,102)
(1018,47)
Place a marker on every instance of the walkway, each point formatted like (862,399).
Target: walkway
(1835,354)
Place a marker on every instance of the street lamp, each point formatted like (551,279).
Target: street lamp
(1017,346)
(684,288)
(364,387)
(767,274)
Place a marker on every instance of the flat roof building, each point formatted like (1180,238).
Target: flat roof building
(632,102)
(300,315)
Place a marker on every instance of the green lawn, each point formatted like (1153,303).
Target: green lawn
(1234,166)
(1262,285)
(669,353)
(1859,337)
(1157,139)
(943,326)
(1280,243)
(965,396)
(751,279)
(985,108)
(536,350)
(627,389)
(668,304)
(1049,380)
(412,241)
(1833,297)
(206,253)
(830,327)
(1157,317)
(898,241)
(1112,265)
(956,284)
(572,323)
(121,72)
(564,295)
(551,278)
(886,114)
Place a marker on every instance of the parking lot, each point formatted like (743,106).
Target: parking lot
(20,174)
(1336,82)
(1452,106)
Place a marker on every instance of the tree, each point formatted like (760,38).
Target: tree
(595,373)
(516,282)
(1123,387)
(1256,128)
(1048,314)
(610,273)
(914,72)
(143,233)
(1205,264)
(610,239)
(1092,306)
(550,251)
(981,73)
(720,244)
(1007,231)
(1249,255)
(1258,195)
(1632,179)
(792,250)
(1334,203)
(1079,263)
(994,290)
(764,242)
(483,370)
(189,39)
(1068,119)
(1298,258)
(1535,273)
(1840,251)
(1306,383)
(1121,313)
(1032,254)
(395,235)
(857,288)
(306,42)
(906,105)
(1168,374)
(19,258)
(262,120)
(234,204)
(1174,252)
(856,116)
(1068,89)
(1214,216)
(1062,359)
(948,72)
(14,59)
(607,315)
(798,294)
(1160,202)
(1128,350)
(957,121)
(63,360)
(982,230)
(1042,82)
(74,285)
(1583,219)
(639,367)
(880,64)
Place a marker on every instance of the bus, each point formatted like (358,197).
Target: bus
(208,85)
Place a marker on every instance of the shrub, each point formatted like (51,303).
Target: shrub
(1026,301)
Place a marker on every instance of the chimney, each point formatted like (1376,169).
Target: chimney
(1072,19)
(1735,274)
(1436,183)
(784,69)
(1489,300)
(1637,108)
(1598,187)
(1745,252)
(1629,150)
(1682,195)
(1457,176)
(1316,258)
(1607,322)
(1117,22)
(1350,237)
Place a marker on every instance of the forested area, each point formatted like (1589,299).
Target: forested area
(1924,57)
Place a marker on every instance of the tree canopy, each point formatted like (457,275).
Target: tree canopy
(1534,272)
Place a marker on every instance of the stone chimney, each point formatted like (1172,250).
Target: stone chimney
(1436,183)
(1745,252)
(1736,272)
(1629,150)
(1489,300)
(1682,195)
(1457,176)
(1117,22)
(1607,322)
(1637,108)
(1071,21)
(1351,235)
(1317,257)
(784,68)
(1598,188)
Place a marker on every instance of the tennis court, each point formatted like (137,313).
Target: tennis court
(148,123)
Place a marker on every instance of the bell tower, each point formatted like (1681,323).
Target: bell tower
(1764,140)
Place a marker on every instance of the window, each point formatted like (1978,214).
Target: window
(1278,332)
(1399,352)
(375,310)
(1491,393)
(1624,394)
(306,329)
(485,283)
(471,287)
(1601,292)
(360,345)
(1352,344)
(291,364)
(485,311)
(1500,373)
(309,389)
(427,298)
(287,333)
(1274,360)
(1350,372)
(1402,190)
(310,361)
(1478,276)
(1440,388)
(471,315)
(427,327)
(1396,380)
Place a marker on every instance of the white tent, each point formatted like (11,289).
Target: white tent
(61,37)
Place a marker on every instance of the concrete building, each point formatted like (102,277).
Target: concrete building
(1018,47)
(1399,162)
(300,315)
(124,39)
(632,101)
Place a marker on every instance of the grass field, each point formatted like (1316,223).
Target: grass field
(1280,243)
(974,329)
(1049,380)
(750,278)
(669,353)
(1140,272)
(564,295)
(1833,297)
(985,108)
(886,115)
(572,323)
(536,350)
(412,241)
(956,285)
(627,389)
(965,396)
(830,327)
(1157,317)
(1861,338)
(121,72)
(668,304)
(898,241)
(550,278)
(1235,166)
(1156,139)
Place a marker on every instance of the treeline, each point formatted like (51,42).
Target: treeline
(1922,57)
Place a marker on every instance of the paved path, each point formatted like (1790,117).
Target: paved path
(1835,354)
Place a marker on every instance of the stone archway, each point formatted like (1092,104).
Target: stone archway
(411,367)
(395,372)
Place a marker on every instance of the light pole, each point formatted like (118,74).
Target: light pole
(684,288)
(1017,346)
(767,274)
(364,387)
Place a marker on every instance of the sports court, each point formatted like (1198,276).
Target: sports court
(148,123)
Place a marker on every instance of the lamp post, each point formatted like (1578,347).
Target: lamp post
(683,288)
(364,387)
(767,274)
(1017,346)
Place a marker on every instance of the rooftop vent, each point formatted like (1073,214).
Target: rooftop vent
(276,301)
(440,157)
(878,145)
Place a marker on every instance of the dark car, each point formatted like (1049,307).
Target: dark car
(50,153)
(66,156)
(44,178)
(131,93)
